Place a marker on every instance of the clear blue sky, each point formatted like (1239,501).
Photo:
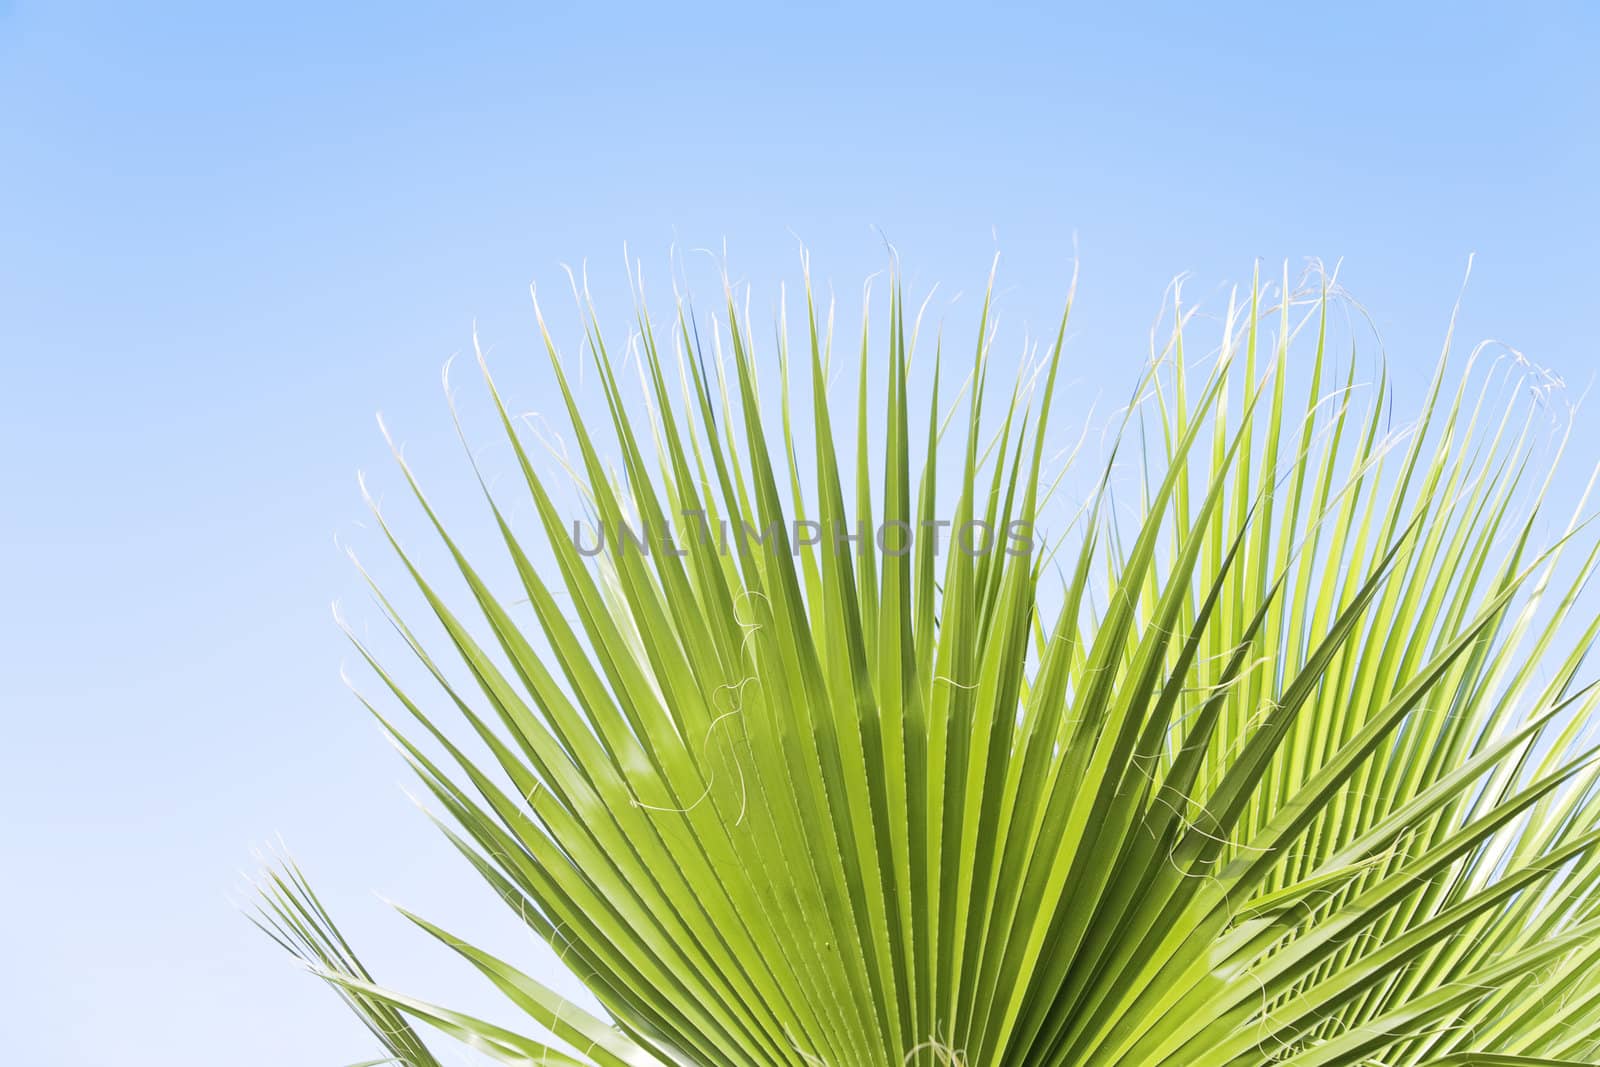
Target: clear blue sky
(233,232)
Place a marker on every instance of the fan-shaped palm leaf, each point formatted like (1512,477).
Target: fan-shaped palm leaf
(1289,764)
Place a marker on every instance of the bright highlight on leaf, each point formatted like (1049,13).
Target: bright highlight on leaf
(1280,752)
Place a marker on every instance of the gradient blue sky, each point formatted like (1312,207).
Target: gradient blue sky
(232,233)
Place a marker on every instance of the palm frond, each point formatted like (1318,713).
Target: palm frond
(1291,764)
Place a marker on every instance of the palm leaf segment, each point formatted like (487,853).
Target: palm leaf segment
(1292,767)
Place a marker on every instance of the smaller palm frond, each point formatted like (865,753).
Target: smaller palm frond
(289,912)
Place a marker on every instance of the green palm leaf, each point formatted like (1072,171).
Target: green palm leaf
(1291,764)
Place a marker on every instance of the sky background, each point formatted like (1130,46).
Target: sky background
(230,234)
